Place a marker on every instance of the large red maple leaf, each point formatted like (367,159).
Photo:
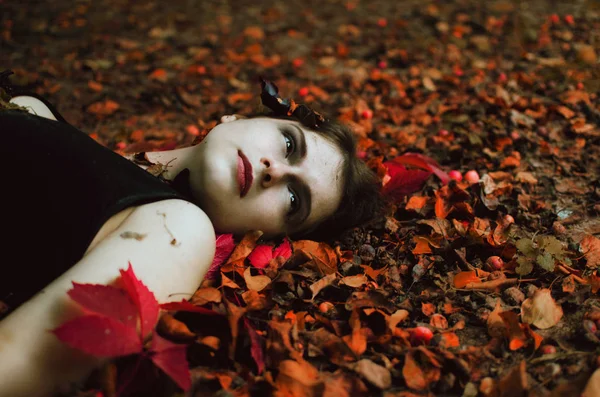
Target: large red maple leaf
(109,327)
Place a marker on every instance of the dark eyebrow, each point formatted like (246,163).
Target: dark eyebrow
(301,141)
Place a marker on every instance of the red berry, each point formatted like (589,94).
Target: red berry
(569,19)
(548,349)
(458,71)
(590,326)
(121,145)
(495,262)
(382,22)
(420,336)
(297,62)
(303,91)
(514,135)
(443,133)
(382,64)
(580,86)
(367,114)
(456,175)
(555,19)
(502,77)
(472,176)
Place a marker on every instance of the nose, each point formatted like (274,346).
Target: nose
(274,171)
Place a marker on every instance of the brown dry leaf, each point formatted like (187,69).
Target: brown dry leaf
(206,295)
(297,379)
(322,283)
(495,323)
(234,313)
(254,300)
(590,247)
(516,337)
(419,377)
(177,330)
(541,310)
(227,282)
(427,308)
(417,203)
(514,382)
(398,316)
(357,340)
(255,283)
(448,340)
(344,384)
(438,321)
(241,252)
(322,253)
(375,374)
(422,246)
(354,281)
(462,279)
(592,388)
(104,108)
(439,226)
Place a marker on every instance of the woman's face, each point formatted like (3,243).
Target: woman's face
(266,174)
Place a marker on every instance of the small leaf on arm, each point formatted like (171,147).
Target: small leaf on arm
(261,256)
(100,336)
(106,300)
(225,246)
(143,298)
(171,358)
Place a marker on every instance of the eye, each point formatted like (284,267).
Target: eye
(294,202)
(290,144)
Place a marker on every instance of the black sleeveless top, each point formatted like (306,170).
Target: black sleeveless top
(60,187)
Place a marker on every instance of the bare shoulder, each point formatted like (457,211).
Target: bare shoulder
(170,243)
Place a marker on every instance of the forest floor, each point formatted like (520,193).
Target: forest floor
(482,287)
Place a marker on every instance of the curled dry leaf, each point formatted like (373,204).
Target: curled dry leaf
(397,317)
(202,296)
(590,246)
(322,283)
(354,281)
(541,310)
(255,283)
(324,255)
(375,374)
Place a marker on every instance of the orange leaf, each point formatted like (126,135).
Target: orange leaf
(428,309)
(449,339)
(241,252)
(463,278)
(438,321)
(416,203)
(590,246)
(321,251)
(516,336)
(422,246)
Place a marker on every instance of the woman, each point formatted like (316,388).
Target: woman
(76,211)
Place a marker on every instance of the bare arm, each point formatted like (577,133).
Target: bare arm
(172,258)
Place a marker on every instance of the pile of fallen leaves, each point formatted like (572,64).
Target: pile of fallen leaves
(482,120)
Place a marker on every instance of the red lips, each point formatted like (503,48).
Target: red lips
(244,173)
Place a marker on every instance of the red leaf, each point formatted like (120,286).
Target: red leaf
(143,298)
(187,307)
(225,246)
(284,249)
(106,300)
(261,256)
(171,358)
(255,347)
(403,182)
(100,336)
(423,162)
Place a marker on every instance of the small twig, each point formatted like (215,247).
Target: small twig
(495,284)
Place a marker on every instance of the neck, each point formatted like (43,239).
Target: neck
(173,161)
